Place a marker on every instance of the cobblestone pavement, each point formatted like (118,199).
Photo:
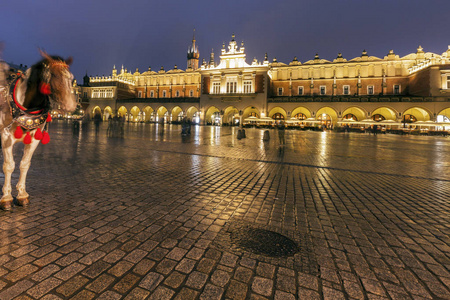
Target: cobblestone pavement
(151,215)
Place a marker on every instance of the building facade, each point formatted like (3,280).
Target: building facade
(413,89)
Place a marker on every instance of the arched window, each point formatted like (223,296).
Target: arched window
(350,117)
(300,116)
(378,118)
(409,119)
(325,120)
(278,116)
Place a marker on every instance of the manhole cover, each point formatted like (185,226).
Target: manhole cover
(261,241)
(287,249)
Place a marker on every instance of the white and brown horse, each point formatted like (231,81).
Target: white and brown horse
(25,105)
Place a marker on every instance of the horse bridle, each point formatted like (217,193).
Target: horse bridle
(27,118)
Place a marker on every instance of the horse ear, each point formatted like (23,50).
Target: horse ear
(45,55)
(69,60)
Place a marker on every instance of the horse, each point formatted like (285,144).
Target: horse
(26,100)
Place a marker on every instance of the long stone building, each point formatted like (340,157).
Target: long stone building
(412,89)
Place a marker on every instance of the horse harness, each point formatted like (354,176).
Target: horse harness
(28,119)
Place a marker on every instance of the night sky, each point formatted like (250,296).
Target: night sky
(142,33)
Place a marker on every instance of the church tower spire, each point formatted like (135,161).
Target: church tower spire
(193,55)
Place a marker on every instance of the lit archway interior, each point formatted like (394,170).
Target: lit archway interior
(327,114)
(301,113)
(444,115)
(386,112)
(251,112)
(419,114)
(122,111)
(135,114)
(108,113)
(230,115)
(177,113)
(212,115)
(278,113)
(96,110)
(162,112)
(193,114)
(148,114)
(358,114)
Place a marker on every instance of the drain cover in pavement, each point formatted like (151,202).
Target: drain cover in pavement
(261,241)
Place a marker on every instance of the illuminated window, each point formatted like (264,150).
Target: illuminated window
(139,94)
(280,91)
(152,94)
(350,117)
(378,118)
(191,93)
(247,86)
(409,119)
(278,116)
(164,94)
(370,90)
(231,87)
(396,89)
(300,90)
(216,87)
(323,90)
(346,90)
(300,116)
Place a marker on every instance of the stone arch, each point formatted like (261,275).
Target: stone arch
(193,114)
(123,112)
(177,114)
(212,115)
(387,113)
(327,115)
(251,111)
(135,114)
(444,115)
(359,113)
(97,110)
(108,112)
(278,110)
(162,112)
(301,110)
(230,115)
(419,113)
(148,114)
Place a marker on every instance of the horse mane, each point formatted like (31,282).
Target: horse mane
(33,97)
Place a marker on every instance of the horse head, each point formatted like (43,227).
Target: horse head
(56,80)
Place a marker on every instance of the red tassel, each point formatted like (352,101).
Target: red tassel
(44,88)
(27,139)
(38,134)
(49,118)
(45,138)
(18,133)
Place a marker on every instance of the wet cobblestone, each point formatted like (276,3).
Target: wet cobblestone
(146,216)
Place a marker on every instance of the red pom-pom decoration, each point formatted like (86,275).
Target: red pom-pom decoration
(18,133)
(44,88)
(27,139)
(38,134)
(49,118)
(45,138)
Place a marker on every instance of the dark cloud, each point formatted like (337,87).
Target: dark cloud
(143,33)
